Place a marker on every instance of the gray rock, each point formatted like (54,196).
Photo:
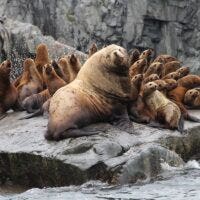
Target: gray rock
(23,39)
(113,156)
(170,26)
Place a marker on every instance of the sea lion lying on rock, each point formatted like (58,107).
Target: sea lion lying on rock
(98,94)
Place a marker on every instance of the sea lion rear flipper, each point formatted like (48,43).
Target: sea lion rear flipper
(71,133)
(193,118)
(35,114)
(157,125)
(3,116)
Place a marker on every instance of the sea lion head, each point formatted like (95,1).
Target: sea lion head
(170,84)
(161,84)
(5,67)
(149,87)
(147,53)
(193,93)
(134,56)
(47,70)
(183,71)
(173,75)
(137,79)
(116,58)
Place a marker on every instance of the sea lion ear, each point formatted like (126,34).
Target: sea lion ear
(73,59)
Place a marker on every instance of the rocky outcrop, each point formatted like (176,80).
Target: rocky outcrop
(20,42)
(170,26)
(112,156)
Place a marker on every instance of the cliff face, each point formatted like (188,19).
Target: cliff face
(170,26)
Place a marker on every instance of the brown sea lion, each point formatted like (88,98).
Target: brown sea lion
(74,66)
(147,54)
(190,81)
(63,63)
(8,92)
(183,71)
(165,58)
(42,57)
(31,82)
(192,98)
(150,78)
(177,96)
(36,101)
(173,75)
(170,67)
(170,84)
(98,94)
(134,56)
(161,85)
(154,68)
(93,49)
(165,111)
(136,82)
(59,71)
(137,67)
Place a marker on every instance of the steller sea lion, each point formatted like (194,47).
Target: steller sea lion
(93,49)
(53,82)
(192,98)
(137,67)
(151,78)
(183,71)
(165,58)
(8,92)
(147,54)
(170,67)
(42,57)
(190,81)
(173,75)
(165,111)
(98,94)
(31,82)
(134,56)
(154,68)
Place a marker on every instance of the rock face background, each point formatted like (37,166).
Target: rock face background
(170,26)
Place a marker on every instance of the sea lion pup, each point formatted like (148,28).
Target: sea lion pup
(137,67)
(136,82)
(177,96)
(170,67)
(165,58)
(99,93)
(93,49)
(63,63)
(135,106)
(183,71)
(8,92)
(36,101)
(147,54)
(74,66)
(165,111)
(42,57)
(150,78)
(190,81)
(173,75)
(31,82)
(161,85)
(192,98)
(134,56)
(154,68)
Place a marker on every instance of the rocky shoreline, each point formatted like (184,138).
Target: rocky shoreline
(112,156)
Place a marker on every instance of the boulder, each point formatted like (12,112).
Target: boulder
(112,156)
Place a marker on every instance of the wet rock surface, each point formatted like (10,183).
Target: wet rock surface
(112,156)
(170,26)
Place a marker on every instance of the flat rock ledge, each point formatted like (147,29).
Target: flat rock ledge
(112,156)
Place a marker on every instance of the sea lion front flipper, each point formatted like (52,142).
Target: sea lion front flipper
(193,118)
(35,114)
(181,124)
